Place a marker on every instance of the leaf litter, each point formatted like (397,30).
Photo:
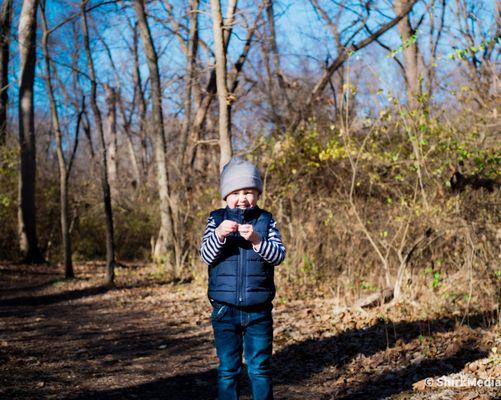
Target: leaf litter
(148,339)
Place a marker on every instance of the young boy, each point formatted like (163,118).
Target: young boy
(242,245)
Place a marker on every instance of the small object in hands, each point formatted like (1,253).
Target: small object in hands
(243,228)
(248,233)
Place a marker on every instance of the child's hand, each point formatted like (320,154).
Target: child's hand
(225,228)
(248,233)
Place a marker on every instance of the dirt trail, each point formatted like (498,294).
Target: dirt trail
(144,340)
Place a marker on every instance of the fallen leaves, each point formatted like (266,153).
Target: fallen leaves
(144,332)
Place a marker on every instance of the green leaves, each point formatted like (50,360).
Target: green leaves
(436,279)
(462,54)
(5,201)
(308,264)
(435,274)
(405,44)
(486,161)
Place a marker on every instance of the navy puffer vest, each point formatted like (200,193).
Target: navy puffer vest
(240,276)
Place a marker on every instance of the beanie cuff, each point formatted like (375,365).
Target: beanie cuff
(241,182)
(239,174)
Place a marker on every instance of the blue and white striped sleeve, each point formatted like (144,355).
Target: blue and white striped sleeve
(272,249)
(211,245)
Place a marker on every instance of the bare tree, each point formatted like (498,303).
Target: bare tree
(274,48)
(116,98)
(411,54)
(5,22)
(191,56)
(63,171)
(27,142)
(226,149)
(345,51)
(266,44)
(232,78)
(435,34)
(98,122)
(477,52)
(210,90)
(111,101)
(418,73)
(342,34)
(166,237)
(275,75)
(139,96)
(113,98)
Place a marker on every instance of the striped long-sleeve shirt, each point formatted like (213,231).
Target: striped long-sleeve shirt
(271,249)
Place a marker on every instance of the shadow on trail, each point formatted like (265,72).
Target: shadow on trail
(30,288)
(53,298)
(298,362)
(391,383)
(196,386)
(6,271)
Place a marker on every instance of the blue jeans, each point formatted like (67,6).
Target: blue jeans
(249,331)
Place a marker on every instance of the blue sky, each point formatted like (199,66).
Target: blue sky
(304,40)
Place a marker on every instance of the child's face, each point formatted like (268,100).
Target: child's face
(243,198)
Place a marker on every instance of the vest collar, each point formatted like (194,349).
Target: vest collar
(240,214)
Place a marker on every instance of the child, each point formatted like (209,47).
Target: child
(242,245)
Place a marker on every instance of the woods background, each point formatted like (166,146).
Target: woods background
(375,125)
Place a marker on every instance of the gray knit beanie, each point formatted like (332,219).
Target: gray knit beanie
(239,174)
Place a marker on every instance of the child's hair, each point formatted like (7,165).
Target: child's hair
(239,174)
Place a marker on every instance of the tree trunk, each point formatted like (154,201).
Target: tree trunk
(410,53)
(190,69)
(433,45)
(63,174)
(98,122)
(139,95)
(111,101)
(274,47)
(276,56)
(269,85)
(339,61)
(203,109)
(226,150)
(130,143)
(166,238)
(133,159)
(27,207)
(5,21)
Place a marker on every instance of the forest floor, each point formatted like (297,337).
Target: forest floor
(144,339)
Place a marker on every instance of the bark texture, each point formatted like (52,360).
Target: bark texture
(141,102)
(226,150)
(98,122)
(191,56)
(210,91)
(63,172)
(27,227)
(166,236)
(111,102)
(410,52)
(5,22)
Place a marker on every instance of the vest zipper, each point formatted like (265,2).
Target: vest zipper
(241,269)
(241,275)
(244,271)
